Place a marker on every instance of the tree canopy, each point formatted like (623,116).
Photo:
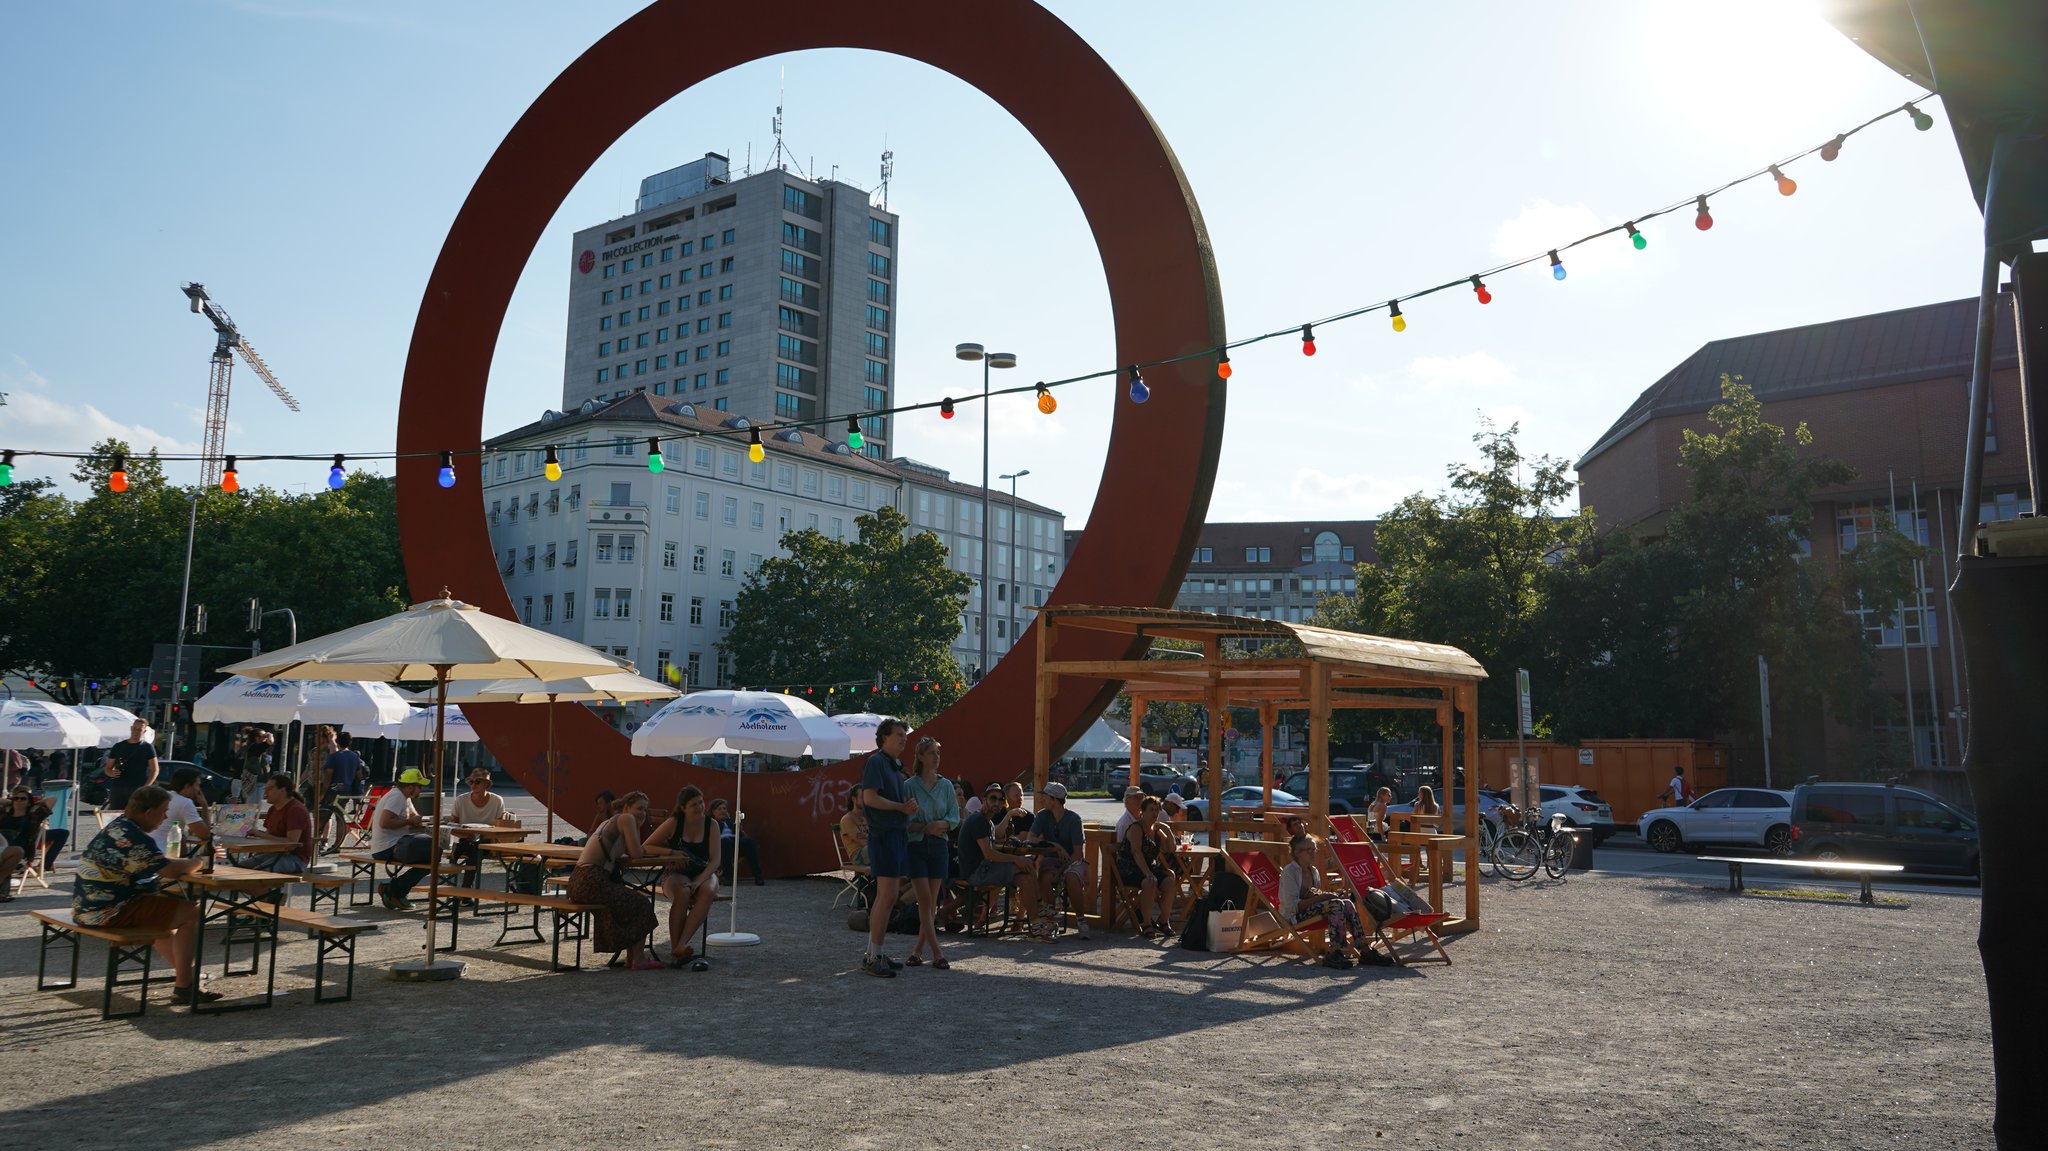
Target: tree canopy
(882,608)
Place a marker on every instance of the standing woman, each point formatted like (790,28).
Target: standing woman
(693,881)
(931,845)
(628,917)
(318,749)
(1376,814)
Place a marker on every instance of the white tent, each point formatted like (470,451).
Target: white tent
(1101,741)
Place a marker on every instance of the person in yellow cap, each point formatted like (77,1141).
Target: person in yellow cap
(396,835)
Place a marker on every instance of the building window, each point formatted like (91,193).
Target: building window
(1204,556)
(568,605)
(703,504)
(726,615)
(725,347)
(693,670)
(601,603)
(2006,504)
(878,265)
(526,610)
(668,607)
(624,597)
(626,546)
(753,562)
(756,516)
(697,555)
(878,318)
(668,554)
(880,233)
(547,609)
(662,663)
(604,549)
(877,345)
(696,612)
(731,511)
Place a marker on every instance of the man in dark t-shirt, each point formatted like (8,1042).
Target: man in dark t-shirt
(129,764)
(889,812)
(342,775)
(986,865)
(1064,861)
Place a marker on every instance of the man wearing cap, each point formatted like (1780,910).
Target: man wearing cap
(986,865)
(395,835)
(1060,831)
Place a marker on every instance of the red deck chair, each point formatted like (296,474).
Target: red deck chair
(1262,879)
(356,832)
(1362,870)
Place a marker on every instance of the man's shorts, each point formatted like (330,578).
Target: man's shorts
(1049,867)
(888,854)
(930,858)
(993,874)
(150,911)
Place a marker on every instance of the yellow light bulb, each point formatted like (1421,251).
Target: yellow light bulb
(554,472)
(1400,323)
(756,453)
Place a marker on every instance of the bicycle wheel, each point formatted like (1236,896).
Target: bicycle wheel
(1517,855)
(1557,855)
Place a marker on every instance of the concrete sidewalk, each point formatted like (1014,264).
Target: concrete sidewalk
(1601,1011)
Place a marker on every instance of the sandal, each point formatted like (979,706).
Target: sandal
(914,960)
(941,963)
(648,964)
(680,957)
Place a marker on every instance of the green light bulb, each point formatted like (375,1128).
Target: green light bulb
(654,461)
(1639,242)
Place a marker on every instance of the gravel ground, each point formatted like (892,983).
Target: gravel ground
(1599,1012)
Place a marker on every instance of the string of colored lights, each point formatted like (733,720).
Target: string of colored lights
(1137,389)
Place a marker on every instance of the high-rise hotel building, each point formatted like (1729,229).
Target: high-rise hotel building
(770,296)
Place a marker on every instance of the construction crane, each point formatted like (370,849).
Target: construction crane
(227,340)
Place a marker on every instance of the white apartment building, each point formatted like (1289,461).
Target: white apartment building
(648,565)
(1025,554)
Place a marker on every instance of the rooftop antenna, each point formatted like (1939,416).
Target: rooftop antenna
(888,170)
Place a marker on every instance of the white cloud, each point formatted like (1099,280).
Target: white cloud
(32,418)
(1315,493)
(1471,370)
(1543,225)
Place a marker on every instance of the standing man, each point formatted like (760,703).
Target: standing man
(286,819)
(889,811)
(256,762)
(117,885)
(1677,788)
(395,836)
(342,775)
(128,765)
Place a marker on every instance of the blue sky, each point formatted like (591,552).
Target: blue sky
(304,161)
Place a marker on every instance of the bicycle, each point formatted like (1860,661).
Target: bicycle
(1522,848)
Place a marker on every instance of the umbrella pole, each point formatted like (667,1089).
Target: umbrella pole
(434,875)
(550,802)
(732,936)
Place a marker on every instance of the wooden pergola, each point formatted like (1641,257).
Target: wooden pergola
(1335,670)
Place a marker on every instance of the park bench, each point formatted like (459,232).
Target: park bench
(334,937)
(1861,872)
(566,913)
(363,869)
(125,946)
(326,888)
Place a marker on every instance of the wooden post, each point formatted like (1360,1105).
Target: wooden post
(1319,744)
(1137,730)
(1268,714)
(1219,714)
(1468,703)
(1041,710)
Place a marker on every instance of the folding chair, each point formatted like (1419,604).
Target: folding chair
(848,875)
(1362,870)
(355,832)
(1262,881)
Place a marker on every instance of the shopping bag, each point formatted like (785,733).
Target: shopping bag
(1226,930)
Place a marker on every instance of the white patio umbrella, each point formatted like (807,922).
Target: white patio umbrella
(859,726)
(245,699)
(439,639)
(763,722)
(38,723)
(113,722)
(619,687)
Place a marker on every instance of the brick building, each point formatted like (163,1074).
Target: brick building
(1888,393)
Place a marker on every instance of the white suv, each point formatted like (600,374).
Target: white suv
(1581,807)
(1754,816)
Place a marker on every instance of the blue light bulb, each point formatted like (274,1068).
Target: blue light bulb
(447,477)
(1557,272)
(1139,392)
(336,477)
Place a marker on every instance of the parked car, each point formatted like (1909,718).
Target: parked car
(1243,798)
(1881,823)
(1351,790)
(1489,810)
(1157,782)
(214,785)
(1581,807)
(1751,816)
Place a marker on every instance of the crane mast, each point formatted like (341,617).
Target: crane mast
(228,341)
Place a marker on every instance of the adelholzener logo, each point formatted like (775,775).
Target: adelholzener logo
(268,689)
(30,719)
(763,721)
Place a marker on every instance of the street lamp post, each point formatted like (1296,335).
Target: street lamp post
(988,360)
(1013,477)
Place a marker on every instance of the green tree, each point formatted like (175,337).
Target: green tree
(881,607)
(1469,567)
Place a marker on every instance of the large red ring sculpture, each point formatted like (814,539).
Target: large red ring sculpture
(1163,291)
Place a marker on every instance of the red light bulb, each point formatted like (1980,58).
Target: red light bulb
(1705,219)
(1308,339)
(1786,184)
(946,408)
(1223,365)
(1479,290)
(1832,148)
(118,481)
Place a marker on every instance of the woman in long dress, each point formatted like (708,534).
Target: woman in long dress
(628,916)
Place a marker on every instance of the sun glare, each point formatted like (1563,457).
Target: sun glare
(1736,65)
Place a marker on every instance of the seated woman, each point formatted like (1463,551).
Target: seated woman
(628,916)
(21,817)
(1302,898)
(692,882)
(1425,801)
(721,811)
(1138,865)
(853,832)
(1376,814)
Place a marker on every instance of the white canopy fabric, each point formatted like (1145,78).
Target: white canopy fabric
(46,726)
(618,687)
(749,721)
(242,699)
(113,723)
(419,724)
(859,727)
(436,638)
(1100,741)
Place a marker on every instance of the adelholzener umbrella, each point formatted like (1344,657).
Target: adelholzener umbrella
(439,640)
(46,726)
(759,721)
(114,723)
(618,687)
(860,727)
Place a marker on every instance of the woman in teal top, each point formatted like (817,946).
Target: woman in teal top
(931,844)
